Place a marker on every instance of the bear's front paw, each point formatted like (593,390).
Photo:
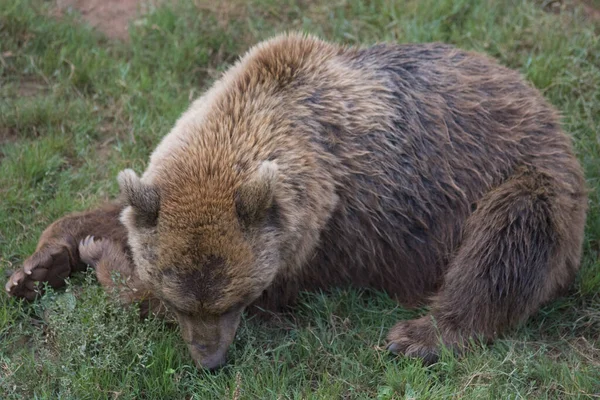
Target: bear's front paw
(417,338)
(50,264)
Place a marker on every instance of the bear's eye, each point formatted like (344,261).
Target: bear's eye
(234,308)
(237,306)
(175,309)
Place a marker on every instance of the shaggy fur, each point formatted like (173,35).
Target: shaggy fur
(428,172)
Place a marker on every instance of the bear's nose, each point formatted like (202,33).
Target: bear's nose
(212,362)
(206,359)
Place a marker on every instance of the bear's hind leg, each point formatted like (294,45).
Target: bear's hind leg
(521,246)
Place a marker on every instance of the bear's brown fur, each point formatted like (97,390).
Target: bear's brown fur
(428,172)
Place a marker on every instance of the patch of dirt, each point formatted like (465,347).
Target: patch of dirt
(112,17)
(108,16)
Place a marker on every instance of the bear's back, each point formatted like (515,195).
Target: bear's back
(457,125)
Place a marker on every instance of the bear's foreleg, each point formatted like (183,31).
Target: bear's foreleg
(57,253)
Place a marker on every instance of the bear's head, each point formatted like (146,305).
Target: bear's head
(206,247)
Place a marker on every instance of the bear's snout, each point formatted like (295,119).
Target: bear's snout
(208,338)
(206,359)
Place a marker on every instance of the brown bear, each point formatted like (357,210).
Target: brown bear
(428,172)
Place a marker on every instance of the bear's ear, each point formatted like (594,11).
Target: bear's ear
(254,197)
(143,199)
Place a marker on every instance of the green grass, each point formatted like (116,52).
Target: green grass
(76,108)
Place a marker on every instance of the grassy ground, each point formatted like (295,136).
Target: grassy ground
(76,108)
